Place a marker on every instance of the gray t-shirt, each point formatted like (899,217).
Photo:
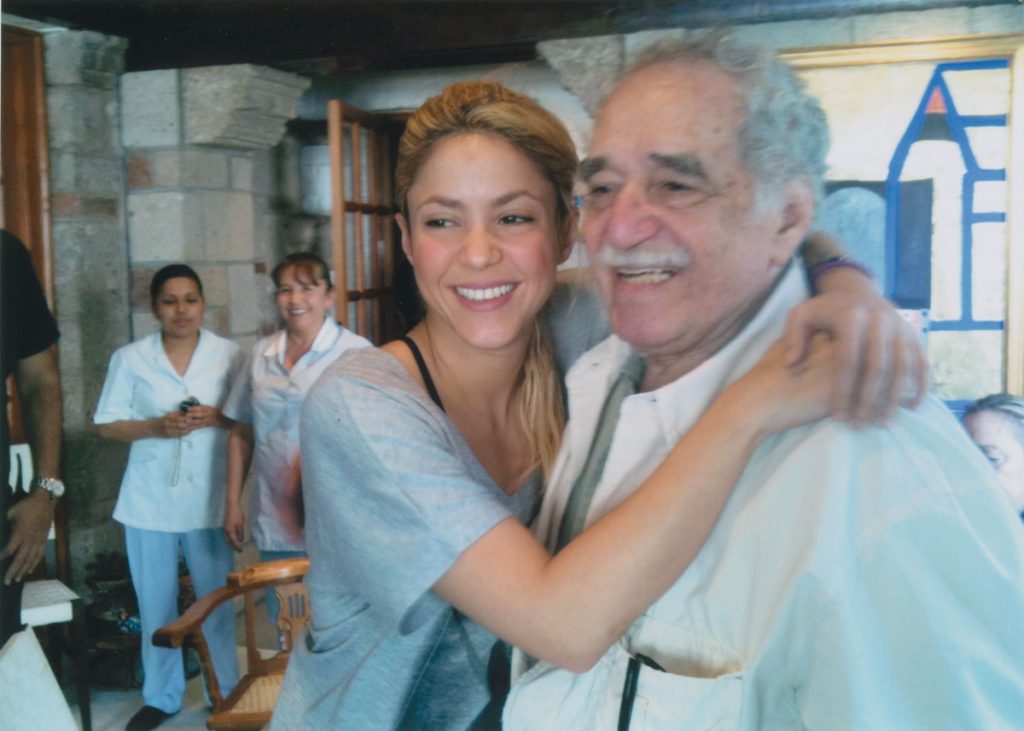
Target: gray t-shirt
(393,496)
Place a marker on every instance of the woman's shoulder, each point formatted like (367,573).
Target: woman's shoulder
(144,348)
(369,391)
(363,370)
(213,340)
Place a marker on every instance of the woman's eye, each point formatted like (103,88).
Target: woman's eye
(515,218)
(438,222)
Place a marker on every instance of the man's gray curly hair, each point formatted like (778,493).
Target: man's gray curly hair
(785,133)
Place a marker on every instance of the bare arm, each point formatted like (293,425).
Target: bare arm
(169,426)
(568,609)
(38,382)
(239,457)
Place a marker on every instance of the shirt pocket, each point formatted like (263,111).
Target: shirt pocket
(700,679)
(550,698)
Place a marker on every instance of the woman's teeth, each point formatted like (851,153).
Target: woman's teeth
(481,295)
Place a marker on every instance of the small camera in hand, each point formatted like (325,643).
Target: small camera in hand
(187,404)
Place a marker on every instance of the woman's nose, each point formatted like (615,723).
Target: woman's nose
(480,249)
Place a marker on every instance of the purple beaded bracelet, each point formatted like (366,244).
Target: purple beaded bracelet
(833,262)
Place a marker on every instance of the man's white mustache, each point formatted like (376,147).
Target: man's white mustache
(638,259)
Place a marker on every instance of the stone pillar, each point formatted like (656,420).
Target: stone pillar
(90,269)
(198,168)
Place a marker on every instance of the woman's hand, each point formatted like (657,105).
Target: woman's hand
(172,425)
(880,362)
(234,525)
(775,396)
(202,416)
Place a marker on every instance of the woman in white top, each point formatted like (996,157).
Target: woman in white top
(266,402)
(163,394)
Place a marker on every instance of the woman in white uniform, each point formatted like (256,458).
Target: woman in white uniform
(163,394)
(266,402)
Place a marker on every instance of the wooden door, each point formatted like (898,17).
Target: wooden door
(24,164)
(363,238)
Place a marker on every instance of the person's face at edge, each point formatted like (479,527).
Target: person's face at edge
(1000,440)
(667,196)
(179,308)
(301,302)
(482,238)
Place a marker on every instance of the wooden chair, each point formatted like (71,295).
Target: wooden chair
(251,703)
(48,601)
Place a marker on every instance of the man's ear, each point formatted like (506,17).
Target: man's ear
(403,226)
(794,221)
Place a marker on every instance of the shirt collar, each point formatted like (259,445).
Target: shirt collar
(681,402)
(324,340)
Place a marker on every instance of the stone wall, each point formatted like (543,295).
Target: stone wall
(203,184)
(90,269)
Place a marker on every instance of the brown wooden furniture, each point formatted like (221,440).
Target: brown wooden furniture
(251,703)
(363,246)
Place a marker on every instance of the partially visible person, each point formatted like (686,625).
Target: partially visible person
(423,459)
(265,402)
(855,579)
(996,424)
(163,394)
(28,346)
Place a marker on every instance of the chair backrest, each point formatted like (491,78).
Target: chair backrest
(251,703)
(285,576)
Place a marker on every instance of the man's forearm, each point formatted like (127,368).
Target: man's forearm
(38,383)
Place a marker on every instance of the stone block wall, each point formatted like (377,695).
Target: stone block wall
(90,269)
(201,185)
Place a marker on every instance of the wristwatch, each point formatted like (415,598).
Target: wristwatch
(52,485)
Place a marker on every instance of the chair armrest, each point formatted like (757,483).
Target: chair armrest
(173,634)
(280,571)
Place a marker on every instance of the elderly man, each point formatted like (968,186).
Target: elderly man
(857,579)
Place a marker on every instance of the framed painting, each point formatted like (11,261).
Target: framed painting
(926,186)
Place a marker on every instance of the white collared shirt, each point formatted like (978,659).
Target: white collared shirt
(269,397)
(868,579)
(142,384)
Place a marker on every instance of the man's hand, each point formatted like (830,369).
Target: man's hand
(30,524)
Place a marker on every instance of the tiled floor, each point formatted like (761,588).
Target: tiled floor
(111,709)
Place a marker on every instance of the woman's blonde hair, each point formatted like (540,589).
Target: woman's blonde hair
(489,107)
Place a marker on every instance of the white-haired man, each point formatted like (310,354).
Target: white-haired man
(857,579)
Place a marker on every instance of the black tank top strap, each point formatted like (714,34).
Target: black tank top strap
(424,373)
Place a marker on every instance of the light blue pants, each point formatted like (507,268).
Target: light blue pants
(273,605)
(153,560)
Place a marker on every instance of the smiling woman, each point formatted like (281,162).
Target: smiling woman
(265,403)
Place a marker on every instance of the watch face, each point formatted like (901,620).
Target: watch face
(52,485)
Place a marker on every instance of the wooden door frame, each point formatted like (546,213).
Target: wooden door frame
(25,149)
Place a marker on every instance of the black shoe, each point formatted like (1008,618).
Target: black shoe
(147,717)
